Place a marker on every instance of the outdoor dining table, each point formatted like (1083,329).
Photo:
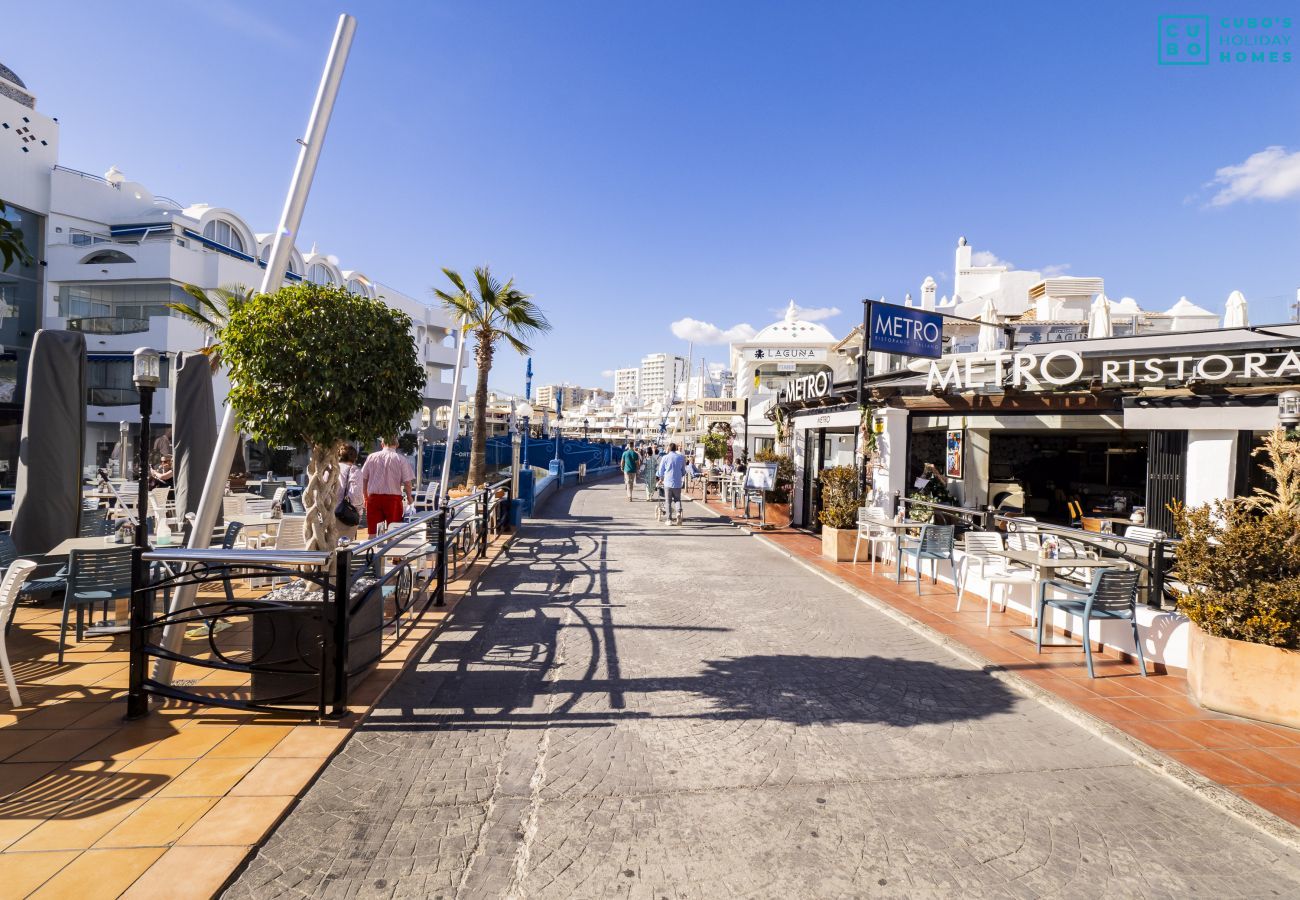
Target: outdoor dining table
(898,528)
(1045,568)
(714,479)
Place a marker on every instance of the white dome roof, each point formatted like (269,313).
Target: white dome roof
(793,330)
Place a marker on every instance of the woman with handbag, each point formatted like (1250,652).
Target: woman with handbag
(348,510)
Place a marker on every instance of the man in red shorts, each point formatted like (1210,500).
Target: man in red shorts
(386,480)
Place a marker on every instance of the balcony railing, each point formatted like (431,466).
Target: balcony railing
(108,324)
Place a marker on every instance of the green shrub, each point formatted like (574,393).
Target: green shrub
(1240,558)
(715,445)
(839,497)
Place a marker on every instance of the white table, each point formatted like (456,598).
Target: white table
(1045,568)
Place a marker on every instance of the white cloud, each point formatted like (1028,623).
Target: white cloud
(249,24)
(606,373)
(1270,174)
(812,313)
(1055,269)
(985,258)
(698,332)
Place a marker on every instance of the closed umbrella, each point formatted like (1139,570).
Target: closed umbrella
(1235,315)
(194,432)
(1099,321)
(47,506)
(990,334)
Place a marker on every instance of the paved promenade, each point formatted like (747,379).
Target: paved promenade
(629,709)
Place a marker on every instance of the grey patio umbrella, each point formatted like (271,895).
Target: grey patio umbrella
(47,507)
(194,429)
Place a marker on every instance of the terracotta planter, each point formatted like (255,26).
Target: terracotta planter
(778,514)
(1244,679)
(837,543)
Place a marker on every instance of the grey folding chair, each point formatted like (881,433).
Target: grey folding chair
(94,576)
(1112,595)
(935,544)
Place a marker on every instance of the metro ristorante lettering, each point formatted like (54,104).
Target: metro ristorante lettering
(1063,367)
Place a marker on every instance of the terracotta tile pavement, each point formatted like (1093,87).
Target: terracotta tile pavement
(1255,760)
(168,806)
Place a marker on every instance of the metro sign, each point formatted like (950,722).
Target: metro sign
(904,330)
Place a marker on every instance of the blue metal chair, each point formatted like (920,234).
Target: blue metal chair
(32,587)
(1112,595)
(934,544)
(94,576)
(94,523)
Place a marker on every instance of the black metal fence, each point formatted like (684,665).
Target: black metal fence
(319,627)
(1153,557)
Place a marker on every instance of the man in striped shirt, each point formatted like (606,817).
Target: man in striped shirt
(386,479)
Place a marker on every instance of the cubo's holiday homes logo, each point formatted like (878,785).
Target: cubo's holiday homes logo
(1226,40)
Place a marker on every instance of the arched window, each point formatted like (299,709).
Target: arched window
(266,258)
(224,233)
(319,274)
(357,286)
(104,257)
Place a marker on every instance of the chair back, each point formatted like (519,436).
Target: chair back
(1023,537)
(981,543)
(232,506)
(292,534)
(1115,589)
(158,499)
(257,507)
(232,533)
(1143,533)
(17,573)
(936,540)
(106,570)
(94,522)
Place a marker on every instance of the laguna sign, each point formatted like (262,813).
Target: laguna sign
(904,330)
(786,354)
(1062,367)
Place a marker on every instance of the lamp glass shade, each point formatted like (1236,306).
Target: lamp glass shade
(524,411)
(145,369)
(1288,407)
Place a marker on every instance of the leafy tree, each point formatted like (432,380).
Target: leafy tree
(492,311)
(11,243)
(316,364)
(211,311)
(715,445)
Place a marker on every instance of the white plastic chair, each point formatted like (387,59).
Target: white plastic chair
(18,572)
(232,507)
(292,534)
(871,530)
(980,547)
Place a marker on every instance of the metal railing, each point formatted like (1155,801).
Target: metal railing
(309,639)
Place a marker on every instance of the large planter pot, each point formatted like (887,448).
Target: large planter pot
(778,514)
(837,543)
(1244,679)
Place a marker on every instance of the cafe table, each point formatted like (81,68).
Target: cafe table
(1046,568)
(898,528)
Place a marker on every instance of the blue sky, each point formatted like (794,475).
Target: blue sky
(632,164)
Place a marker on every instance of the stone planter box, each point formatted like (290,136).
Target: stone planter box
(837,543)
(1244,679)
(778,514)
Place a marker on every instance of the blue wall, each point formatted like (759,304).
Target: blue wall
(540,454)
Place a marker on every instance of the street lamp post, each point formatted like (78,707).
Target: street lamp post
(584,431)
(426,418)
(524,412)
(145,373)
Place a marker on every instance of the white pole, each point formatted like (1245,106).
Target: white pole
(205,519)
(452,426)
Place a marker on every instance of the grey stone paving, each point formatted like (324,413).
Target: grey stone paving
(628,709)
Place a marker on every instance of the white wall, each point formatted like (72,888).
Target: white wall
(1211,466)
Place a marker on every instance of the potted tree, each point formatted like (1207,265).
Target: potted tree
(778,500)
(318,365)
(715,446)
(1240,562)
(839,512)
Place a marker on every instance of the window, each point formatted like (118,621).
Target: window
(109,383)
(118,308)
(225,234)
(357,286)
(320,274)
(293,264)
(106,257)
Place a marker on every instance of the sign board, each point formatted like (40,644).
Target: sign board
(785,354)
(904,330)
(809,387)
(761,476)
(721,406)
(953,454)
(699,456)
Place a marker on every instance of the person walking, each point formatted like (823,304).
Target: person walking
(672,473)
(629,463)
(349,493)
(386,480)
(650,472)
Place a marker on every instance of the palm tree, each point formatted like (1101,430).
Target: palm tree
(210,311)
(492,311)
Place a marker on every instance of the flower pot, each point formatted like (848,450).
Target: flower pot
(1244,679)
(778,514)
(837,543)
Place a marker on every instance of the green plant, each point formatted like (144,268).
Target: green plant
(11,243)
(715,445)
(784,475)
(1240,558)
(839,497)
(318,365)
(492,311)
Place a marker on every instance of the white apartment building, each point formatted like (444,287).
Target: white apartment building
(570,396)
(659,376)
(112,254)
(627,383)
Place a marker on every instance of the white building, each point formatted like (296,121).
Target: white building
(627,383)
(114,254)
(660,374)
